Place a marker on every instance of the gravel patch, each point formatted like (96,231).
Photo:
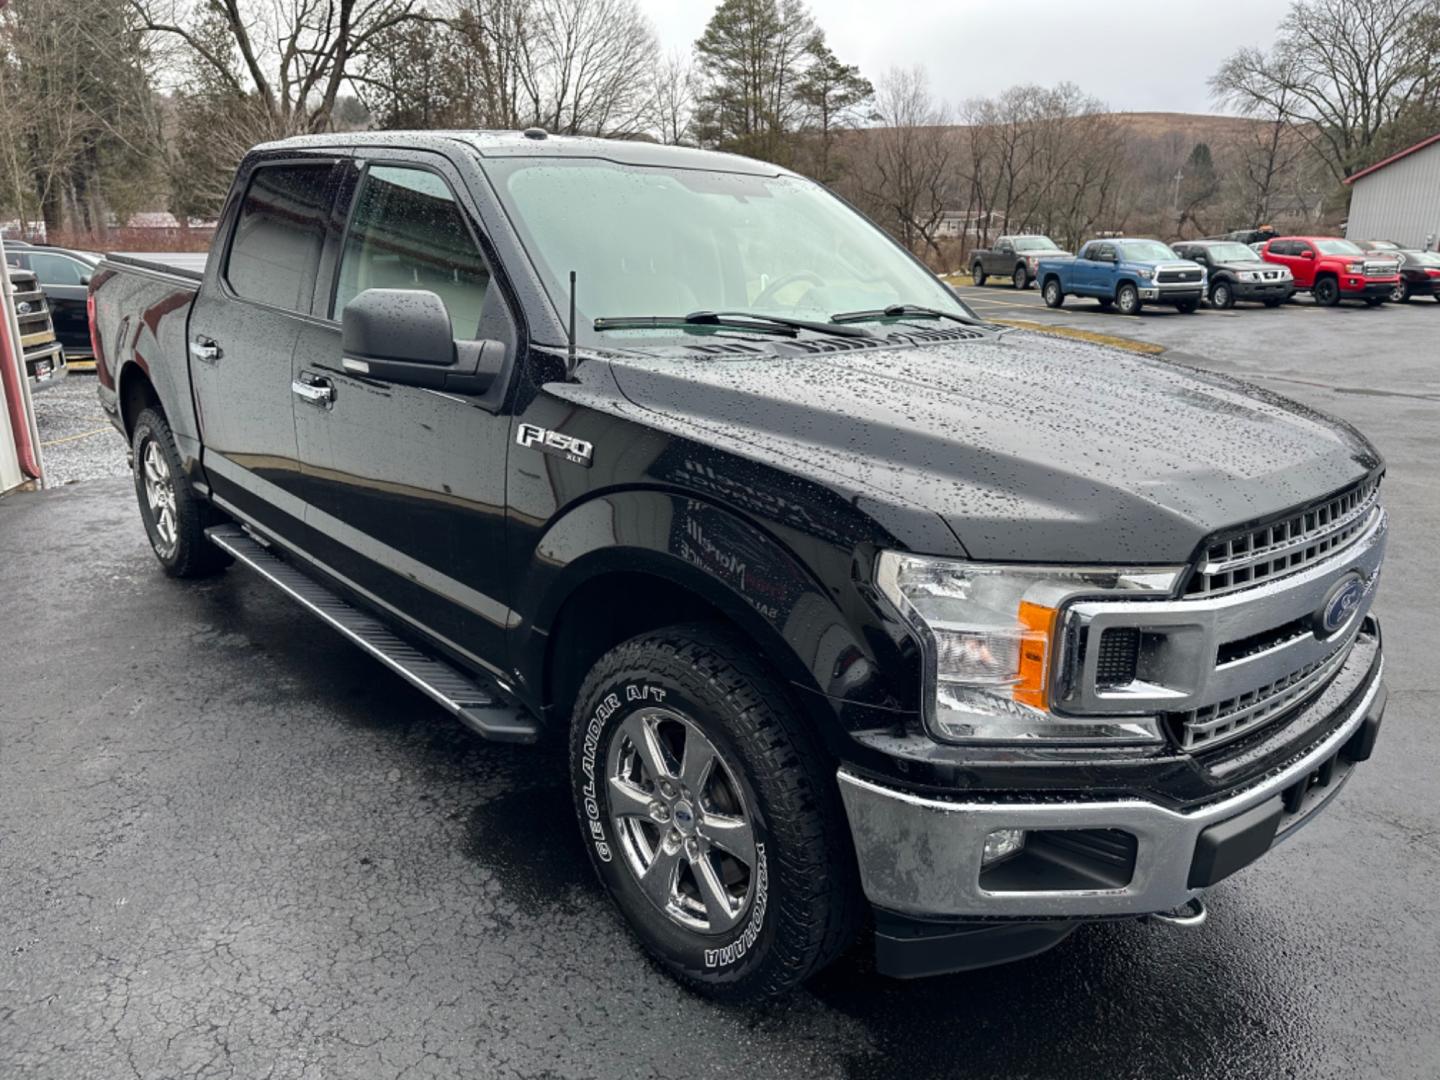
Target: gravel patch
(77,441)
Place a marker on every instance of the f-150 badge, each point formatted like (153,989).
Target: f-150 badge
(576,451)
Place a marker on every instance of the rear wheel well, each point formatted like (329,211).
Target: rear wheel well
(136,394)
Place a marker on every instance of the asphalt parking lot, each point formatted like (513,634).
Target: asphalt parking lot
(232,846)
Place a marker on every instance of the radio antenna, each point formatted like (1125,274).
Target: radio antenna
(570,334)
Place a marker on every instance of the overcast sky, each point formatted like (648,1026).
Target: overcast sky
(1148,58)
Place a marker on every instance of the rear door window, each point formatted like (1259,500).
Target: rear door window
(279,233)
(57,270)
(408,232)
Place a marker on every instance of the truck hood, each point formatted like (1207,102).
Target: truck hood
(1029,447)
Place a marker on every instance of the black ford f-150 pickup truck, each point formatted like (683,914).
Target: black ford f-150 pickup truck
(858,613)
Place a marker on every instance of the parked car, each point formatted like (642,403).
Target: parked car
(44,357)
(1389,247)
(1419,276)
(1126,273)
(1234,272)
(1015,257)
(1332,269)
(64,276)
(852,607)
(1257,235)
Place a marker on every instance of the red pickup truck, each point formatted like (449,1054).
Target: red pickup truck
(1332,269)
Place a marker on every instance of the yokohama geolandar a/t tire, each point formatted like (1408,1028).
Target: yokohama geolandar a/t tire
(175,517)
(711,816)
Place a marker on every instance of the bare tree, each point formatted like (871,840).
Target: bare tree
(908,179)
(584,66)
(1342,71)
(77,112)
(672,100)
(294,56)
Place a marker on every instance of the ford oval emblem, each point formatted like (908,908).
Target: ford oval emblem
(23,308)
(1341,603)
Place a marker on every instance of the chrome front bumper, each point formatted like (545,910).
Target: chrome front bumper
(921,856)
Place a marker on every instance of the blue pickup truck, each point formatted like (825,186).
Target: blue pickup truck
(1126,274)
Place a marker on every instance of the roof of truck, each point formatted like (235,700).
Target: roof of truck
(536,143)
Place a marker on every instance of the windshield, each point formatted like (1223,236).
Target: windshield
(1381,245)
(1231,253)
(1146,251)
(1338,247)
(1035,243)
(658,241)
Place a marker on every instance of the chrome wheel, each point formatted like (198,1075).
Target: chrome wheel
(160,496)
(681,820)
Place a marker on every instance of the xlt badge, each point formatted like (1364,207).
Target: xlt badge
(576,451)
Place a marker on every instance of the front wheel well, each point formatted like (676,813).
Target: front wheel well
(602,613)
(613,608)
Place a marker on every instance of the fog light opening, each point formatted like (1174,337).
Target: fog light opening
(1001,844)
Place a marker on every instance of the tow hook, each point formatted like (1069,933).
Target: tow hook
(1190,913)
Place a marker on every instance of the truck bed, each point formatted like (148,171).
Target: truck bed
(141,314)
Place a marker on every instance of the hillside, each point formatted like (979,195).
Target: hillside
(1194,127)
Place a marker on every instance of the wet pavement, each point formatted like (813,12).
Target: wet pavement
(232,846)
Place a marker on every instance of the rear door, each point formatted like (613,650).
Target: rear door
(1091,271)
(406,486)
(1287,253)
(252,305)
(1002,259)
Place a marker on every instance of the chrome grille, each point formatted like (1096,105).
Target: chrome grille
(1317,531)
(1233,717)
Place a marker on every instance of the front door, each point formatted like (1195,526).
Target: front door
(405,487)
(254,299)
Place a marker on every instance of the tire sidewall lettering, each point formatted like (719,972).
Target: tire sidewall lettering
(615,703)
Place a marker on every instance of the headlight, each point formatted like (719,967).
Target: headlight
(989,638)
(1355,268)
(1249,275)
(1145,273)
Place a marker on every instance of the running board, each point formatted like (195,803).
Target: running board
(478,706)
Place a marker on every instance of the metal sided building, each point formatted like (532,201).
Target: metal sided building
(1399,198)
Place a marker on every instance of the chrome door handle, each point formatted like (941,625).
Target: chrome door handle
(320,392)
(205,349)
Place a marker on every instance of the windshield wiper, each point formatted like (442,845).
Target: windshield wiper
(731,320)
(896,311)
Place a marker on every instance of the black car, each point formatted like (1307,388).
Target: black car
(1419,276)
(1235,272)
(64,276)
(854,609)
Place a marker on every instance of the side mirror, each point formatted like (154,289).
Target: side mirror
(1307,254)
(403,336)
(84,279)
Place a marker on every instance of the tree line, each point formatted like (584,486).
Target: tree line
(113,106)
